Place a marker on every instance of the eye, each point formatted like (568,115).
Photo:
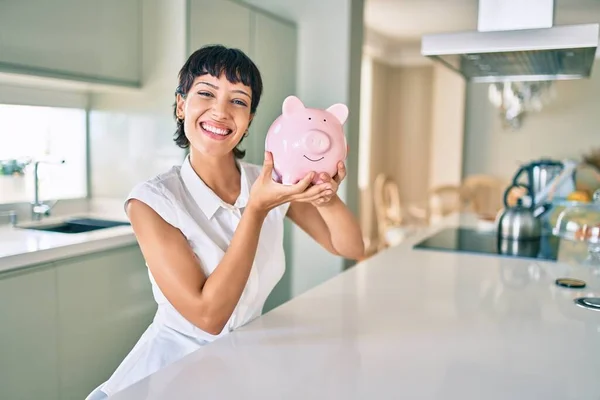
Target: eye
(240,103)
(325,120)
(309,118)
(205,94)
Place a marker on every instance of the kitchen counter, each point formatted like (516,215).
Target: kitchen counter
(408,323)
(20,247)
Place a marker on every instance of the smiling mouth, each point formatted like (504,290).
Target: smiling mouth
(215,130)
(314,160)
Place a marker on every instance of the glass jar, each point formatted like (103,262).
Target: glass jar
(580,221)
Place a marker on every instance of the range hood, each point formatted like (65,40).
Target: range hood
(516,41)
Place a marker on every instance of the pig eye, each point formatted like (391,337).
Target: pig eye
(309,118)
(325,120)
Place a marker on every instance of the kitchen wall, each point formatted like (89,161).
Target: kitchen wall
(447,127)
(399,133)
(567,127)
(409,131)
(131,133)
(415,131)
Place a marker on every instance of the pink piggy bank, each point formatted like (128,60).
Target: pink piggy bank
(306,139)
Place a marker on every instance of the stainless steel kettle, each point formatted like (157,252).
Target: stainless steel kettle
(518,223)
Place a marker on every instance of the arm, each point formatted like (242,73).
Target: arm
(206,302)
(332,225)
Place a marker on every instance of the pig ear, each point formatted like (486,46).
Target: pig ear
(340,111)
(292,104)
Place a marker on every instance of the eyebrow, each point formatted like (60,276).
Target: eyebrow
(217,88)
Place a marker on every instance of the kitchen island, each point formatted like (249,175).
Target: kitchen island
(408,324)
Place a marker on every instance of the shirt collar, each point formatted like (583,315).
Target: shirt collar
(206,199)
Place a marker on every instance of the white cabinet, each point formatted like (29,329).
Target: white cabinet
(65,326)
(218,22)
(86,40)
(29,334)
(274,52)
(104,305)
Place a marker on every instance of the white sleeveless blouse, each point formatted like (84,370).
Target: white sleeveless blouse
(182,199)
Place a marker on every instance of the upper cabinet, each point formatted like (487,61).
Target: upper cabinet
(83,40)
(218,22)
(274,52)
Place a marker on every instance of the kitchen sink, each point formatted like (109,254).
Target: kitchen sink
(77,225)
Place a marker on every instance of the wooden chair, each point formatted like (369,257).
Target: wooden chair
(386,199)
(484,195)
(392,226)
(442,201)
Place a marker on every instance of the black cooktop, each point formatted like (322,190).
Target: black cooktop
(479,242)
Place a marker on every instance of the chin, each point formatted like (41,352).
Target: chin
(210,149)
(204,144)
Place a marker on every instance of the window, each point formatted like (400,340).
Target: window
(51,134)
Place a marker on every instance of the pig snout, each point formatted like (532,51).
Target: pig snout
(317,142)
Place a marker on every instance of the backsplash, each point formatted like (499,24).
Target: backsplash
(129,148)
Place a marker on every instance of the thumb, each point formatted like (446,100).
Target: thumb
(268,164)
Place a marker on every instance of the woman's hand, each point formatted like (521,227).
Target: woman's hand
(267,194)
(330,186)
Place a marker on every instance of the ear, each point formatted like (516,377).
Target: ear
(340,111)
(180,105)
(292,104)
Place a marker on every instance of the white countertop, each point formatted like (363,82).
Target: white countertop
(20,248)
(407,324)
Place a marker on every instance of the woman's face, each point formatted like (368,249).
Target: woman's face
(216,114)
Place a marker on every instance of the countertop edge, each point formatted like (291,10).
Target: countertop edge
(32,259)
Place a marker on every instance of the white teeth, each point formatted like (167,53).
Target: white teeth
(217,131)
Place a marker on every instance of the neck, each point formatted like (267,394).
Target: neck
(220,174)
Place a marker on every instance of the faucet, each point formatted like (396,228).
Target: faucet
(39,209)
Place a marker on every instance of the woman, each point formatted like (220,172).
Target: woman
(211,230)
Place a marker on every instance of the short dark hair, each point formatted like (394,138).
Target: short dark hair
(216,60)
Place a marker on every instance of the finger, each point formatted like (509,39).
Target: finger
(316,190)
(310,196)
(323,199)
(341,174)
(268,165)
(325,177)
(303,184)
(315,199)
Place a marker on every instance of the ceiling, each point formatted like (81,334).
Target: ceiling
(408,20)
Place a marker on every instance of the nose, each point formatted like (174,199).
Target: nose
(317,142)
(219,110)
